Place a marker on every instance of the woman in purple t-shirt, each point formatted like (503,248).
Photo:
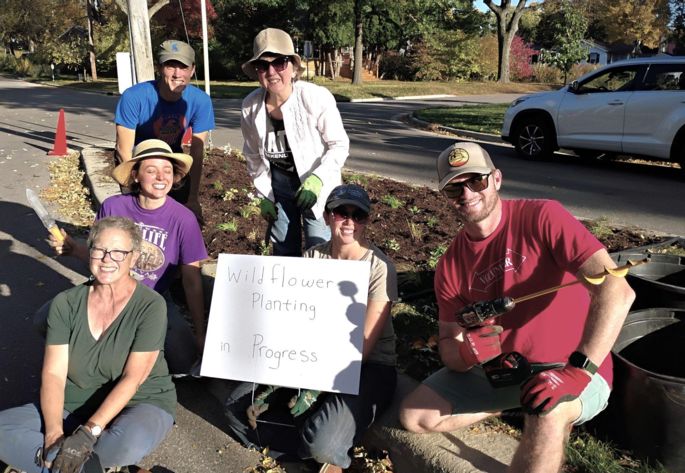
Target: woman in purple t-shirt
(171,240)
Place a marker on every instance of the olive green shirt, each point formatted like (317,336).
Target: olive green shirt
(95,366)
(382,287)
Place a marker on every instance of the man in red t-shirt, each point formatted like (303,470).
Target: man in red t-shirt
(512,248)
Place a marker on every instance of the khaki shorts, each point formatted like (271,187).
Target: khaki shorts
(471,392)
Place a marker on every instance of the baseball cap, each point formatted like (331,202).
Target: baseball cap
(174,50)
(349,194)
(462,158)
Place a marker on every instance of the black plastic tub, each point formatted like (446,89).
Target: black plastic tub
(660,283)
(649,385)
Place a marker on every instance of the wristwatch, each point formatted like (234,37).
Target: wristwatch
(95,430)
(580,360)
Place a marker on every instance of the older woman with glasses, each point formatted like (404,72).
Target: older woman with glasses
(172,242)
(106,397)
(294,143)
(328,425)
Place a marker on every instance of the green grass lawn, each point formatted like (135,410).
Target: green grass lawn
(486,118)
(342,89)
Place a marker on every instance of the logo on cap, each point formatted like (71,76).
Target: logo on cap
(458,157)
(174,47)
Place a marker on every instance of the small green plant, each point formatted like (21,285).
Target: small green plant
(358,179)
(217,186)
(435,256)
(415,230)
(246,211)
(252,235)
(391,244)
(600,228)
(264,248)
(392,201)
(230,195)
(432,221)
(230,226)
(414,210)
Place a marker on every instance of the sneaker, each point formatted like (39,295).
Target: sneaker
(329,468)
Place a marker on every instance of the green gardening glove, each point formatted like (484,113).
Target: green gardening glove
(300,403)
(267,209)
(308,193)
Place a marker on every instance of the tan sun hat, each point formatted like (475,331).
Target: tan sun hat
(272,41)
(151,149)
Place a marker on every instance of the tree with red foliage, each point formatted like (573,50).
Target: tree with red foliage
(520,59)
(170,20)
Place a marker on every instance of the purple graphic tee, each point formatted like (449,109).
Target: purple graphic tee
(171,237)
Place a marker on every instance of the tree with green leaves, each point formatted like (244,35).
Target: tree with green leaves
(507,16)
(678,25)
(561,32)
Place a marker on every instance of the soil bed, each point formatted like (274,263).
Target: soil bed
(411,224)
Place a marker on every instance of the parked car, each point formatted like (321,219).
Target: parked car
(634,107)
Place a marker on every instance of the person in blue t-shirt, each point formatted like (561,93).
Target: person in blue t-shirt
(164,109)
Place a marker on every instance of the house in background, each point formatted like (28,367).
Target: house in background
(597,53)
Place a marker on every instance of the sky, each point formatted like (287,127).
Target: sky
(480,5)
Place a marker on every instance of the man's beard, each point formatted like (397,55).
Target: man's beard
(489,205)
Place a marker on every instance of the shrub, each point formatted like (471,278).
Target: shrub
(547,74)
(396,67)
(579,70)
(447,55)
(520,55)
(486,61)
(8,63)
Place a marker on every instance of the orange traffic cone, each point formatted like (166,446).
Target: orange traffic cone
(59,148)
(187,136)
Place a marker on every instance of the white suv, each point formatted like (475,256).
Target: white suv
(634,107)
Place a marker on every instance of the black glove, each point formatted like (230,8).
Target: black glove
(76,450)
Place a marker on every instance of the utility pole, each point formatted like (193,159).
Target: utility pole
(141,44)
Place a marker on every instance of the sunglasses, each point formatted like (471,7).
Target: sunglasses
(358,215)
(475,184)
(279,64)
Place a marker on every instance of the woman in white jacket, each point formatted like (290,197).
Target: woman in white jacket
(294,143)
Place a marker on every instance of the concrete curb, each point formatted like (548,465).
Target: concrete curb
(405,97)
(98,172)
(463,451)
(475,135)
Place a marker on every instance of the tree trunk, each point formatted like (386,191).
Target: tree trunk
(358,43)
(507,25)
(504,40)
(329,63)
(91,42)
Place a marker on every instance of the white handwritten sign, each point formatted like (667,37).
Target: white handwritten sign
(295,322)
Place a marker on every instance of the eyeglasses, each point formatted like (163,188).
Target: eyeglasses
(279,64)
(358,215)
(115,255)
(454,190)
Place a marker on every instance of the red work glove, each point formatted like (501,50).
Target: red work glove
(543,391)
(480,344)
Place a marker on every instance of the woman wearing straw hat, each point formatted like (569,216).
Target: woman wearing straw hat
(171,240)
(294,143)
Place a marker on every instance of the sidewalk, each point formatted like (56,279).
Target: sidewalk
(199,442)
